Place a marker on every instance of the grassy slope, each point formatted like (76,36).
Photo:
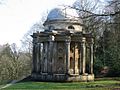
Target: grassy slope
(103,84)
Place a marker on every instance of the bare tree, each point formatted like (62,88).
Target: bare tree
(14,63)
(27,39)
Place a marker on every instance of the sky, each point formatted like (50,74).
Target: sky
(17,16)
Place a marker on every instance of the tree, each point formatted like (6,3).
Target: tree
(93,20)
(27,39)
(114,43)
(109,43)
(14,63)
(104,25)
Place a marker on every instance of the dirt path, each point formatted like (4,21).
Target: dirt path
(7,85)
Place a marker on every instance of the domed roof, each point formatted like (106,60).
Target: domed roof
(64,13)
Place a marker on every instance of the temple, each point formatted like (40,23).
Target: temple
(63,51)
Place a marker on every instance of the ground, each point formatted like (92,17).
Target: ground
(98,84)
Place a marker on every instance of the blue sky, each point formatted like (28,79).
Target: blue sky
(17,16)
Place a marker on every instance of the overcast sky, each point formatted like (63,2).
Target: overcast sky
(17,16)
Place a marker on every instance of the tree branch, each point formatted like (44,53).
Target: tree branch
(93,14)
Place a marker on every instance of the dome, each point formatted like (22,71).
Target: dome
(64,13)
(62,19)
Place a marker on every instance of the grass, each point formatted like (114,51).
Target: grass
(101,84)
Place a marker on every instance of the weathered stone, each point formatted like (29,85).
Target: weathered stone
(59,52)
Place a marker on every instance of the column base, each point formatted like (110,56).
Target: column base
(63,77)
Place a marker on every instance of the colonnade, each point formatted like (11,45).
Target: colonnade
(44,51)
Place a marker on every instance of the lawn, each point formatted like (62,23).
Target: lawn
(99,84)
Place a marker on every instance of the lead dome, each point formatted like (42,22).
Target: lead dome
(64,13)
(62,19)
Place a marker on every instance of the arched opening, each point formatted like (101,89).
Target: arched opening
(71,27)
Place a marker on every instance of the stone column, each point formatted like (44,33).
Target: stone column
(34,58)
(37,57)
(76,58)
(54,57)
(91,57)
(50,53)
(45,57)
(34,68)
(67,56)
(83,55)
(80,59)
(40,58)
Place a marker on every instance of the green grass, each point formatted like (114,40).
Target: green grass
(101,84)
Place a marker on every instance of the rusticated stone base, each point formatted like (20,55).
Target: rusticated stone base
(62,77)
